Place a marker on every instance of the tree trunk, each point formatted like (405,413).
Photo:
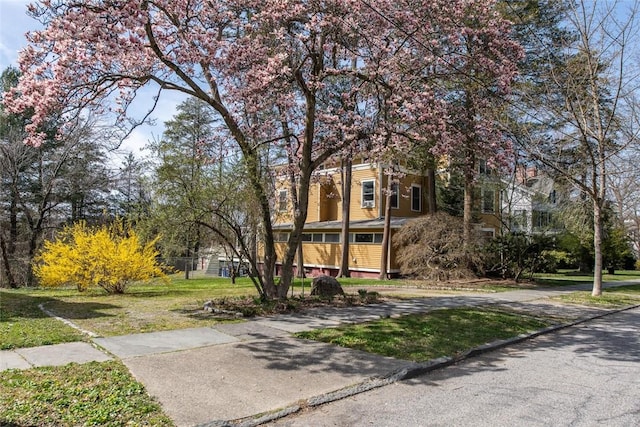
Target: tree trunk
(347,172)
(386,234)
(13,223)
(11,282)
(599,192)
(300,261)
(467,216)
(268,271)
(306,170)
(432,206)
(597,249)
(299,218)
(36,233)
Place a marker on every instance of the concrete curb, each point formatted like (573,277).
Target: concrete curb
(410,371)
(67,322)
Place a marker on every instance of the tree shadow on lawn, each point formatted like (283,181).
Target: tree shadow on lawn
(203,294)
(544,284)
(80,310)
(199,314)
(15,306)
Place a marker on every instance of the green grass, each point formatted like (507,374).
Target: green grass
(446,332)
(143,308)
(628,289)
(92,394)
(23,324)
(621,296)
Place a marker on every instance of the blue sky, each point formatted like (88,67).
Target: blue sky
(14,23)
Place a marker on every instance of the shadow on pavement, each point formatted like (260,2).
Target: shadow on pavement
(298,354)
(613,338)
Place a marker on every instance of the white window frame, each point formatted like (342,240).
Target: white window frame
(368,203)
(419,189)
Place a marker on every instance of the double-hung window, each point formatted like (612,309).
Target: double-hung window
(416,198)
(368,194)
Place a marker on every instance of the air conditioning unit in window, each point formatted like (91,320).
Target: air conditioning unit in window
(367,204)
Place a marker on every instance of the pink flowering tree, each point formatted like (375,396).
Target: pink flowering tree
(305,79)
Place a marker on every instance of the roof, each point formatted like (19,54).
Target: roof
(364,224)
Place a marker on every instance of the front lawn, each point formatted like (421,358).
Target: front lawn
(143,308)
(91,394)
(621,296)
(445,332)
(23,324)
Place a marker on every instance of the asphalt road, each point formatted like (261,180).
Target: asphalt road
(588,375)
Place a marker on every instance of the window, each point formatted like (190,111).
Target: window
(368,194)
(416,198)
(282,200)
(487,234)
(488,201)
(483,168)
(281,237)
(395,192)
(519,220)
(320,237)
(541,219)
(332,237)
(365,237)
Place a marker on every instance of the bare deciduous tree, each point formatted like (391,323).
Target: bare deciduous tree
(589,99)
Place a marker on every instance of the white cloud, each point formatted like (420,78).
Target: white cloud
(14,23)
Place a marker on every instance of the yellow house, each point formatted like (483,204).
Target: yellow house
(321,247)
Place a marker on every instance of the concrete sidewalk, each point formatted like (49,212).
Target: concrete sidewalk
(51,355)
(206,376)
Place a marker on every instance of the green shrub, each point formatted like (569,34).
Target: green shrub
(513,255)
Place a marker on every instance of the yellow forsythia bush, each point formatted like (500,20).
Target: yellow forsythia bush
(109,257)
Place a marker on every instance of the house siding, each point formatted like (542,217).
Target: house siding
(325,204)
(358,212)
(404,198)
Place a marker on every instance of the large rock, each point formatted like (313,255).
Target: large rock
(326,286)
